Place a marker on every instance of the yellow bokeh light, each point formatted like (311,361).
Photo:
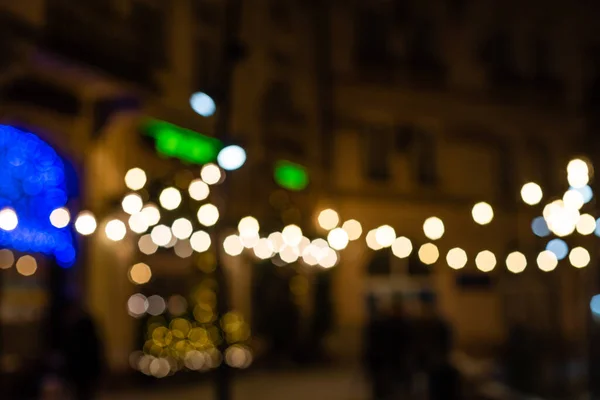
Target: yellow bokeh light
(547,261)
(531,193)
(60,218)
(211,174)
(402,247)
(372,240)
(182,228)
(586,224)
(115,230)
(200,241)
(573,199)
(353,228)
(292,235)
(208,214)
(456,258)
(429,253)
(485,261)
(140,274)
(233,245)
(516,262)
(132,203)
(135,178)
(170,198)
(482,213)
(433,227)
(328,219)
(338,239)
(579,257)
(7,259)
(26,265)
(198,190)
(248,226)
(85,223)
(385,235)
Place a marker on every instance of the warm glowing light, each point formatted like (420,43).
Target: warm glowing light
(289,254)
(577,167)
(573,199)
(137,305)
(250,240)
(208,214)
(132,203)
(157,306)
(233,245)
(292,235)
(402,247)
(372,242)
(429,253)
(385,235)
(263,249)
(276,239)
(329,258)
(183,249)
(146,245)
(161,235)
(135,178)
(485,261)
(516,262)
(8,219)
(578,181)
(531,193)
(200,241)
(170,198)
(7,259)
(115,230)
(586,224)
(182,228)
(482,213)
(211,174)
(338,239)
(558,247)
(26,266)
(231,158)
(561,220)
(547,261)
(328,219)
(151,214)
(353,228)
(433,228)
(456,258)
(137,223)
(579,257)
(203,104)
(198,190)
(248,226)
(85,223)
(60,218)
(140,274)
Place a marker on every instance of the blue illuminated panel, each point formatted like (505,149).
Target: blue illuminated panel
(32,182)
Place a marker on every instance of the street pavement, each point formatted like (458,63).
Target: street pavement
(322,384)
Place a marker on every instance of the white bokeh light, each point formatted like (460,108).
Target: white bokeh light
(485,261)
(60,218)
(516,262)
(233,245)
(531,193)
(208,214)
(151,214)
(429,253)
(161,235)
(353,228)
(85,223)
(385,235)
(248,226)
(402,247)
(8,219)
(328,219)
(182,228)
(338,239)
(115,230)
(231,158)
(547,261)
(579,257)
(203,104)
(200,241)
(137,223)
(170,198)
(371,240)
(211,174)
(292,235)
(132,203)
(135,179)
(456,258)
(482,213)
(198,190)
(433,227)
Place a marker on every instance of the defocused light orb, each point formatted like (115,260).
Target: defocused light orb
(579,257)
(248,226)
(276,239)
(595,305)
(200,241)
(135,178)
(198,190)
(233,245)
(177,305)
(289,254)
(156,306)
(208,214)
(586,224)
(561,220)
(577,167)
(308,256)
(161,235)
(146,245)
(183,249)
(85,223)
(456,258)
(237,356)
(60,218)
(558,247)
(516,262)
(292,235)
(171,243)
(552,208)
(547,261)
(485,261)
(211,174)
(328,219)
(7,259)
(371,239)
(353,228)
(338,239)
(132,203)
(182,228)
(26,265)
(540,227)
(140,274)
(250,240)
(402,247)
(137,223)
(170,198)
(578,181)
(137,305)
(573,199)
(385,235)
(8,219)
(263,249)
(304,243)
(482,213)
(329,258)
(115,230)
(429,253)
(586,192)
(531,193)
(151,214)
(433,228)
(203,104)
(231,158)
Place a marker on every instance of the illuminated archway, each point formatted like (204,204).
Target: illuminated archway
(32,182)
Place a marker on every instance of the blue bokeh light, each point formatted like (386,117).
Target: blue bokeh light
(587,193)
(32,182)
(540,227)
(558,247)
(203,104)
(595,305)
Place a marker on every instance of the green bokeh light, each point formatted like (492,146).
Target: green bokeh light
(181,143)
(291,176)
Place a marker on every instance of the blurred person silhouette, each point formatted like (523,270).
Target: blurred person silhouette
(400,349)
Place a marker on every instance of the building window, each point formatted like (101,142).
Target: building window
(378,154)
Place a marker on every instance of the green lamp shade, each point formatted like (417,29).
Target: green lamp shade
(184,144)
(291,176)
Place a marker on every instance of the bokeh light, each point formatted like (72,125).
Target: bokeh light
(177,305)
(183,249)
(203,104)
(161,235)
(482,213)
(7,259)
(547,261)
(353,228)
(250,240)
(233,245)
(292,235)
(137,223)
(198,190)
(429,253)
(200,241)
(132,203)
(156,305)
(402,247)
(26,265)
(328,219)
(85,223)
(289,254)
(231,157)
(433,227)
(238,356)
(456,258)
(60,218)
(558,247)
(531,193)
(8,219)
(135,179)
(561,220)
(147,245)
(578,173)
(208,214)
(540,227)
(151,214)
(595,305)
(485,261)
(170,198)
(137,305)
(140,274)
(211,174)
(586,192)
(385,235)
(338,239)
(586,224)
(516,262)
(276,239)
(573,199)
(579,257)
(263,249)
(115,230)
(329,258)
(371,240)
(182,228)
(248,226)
